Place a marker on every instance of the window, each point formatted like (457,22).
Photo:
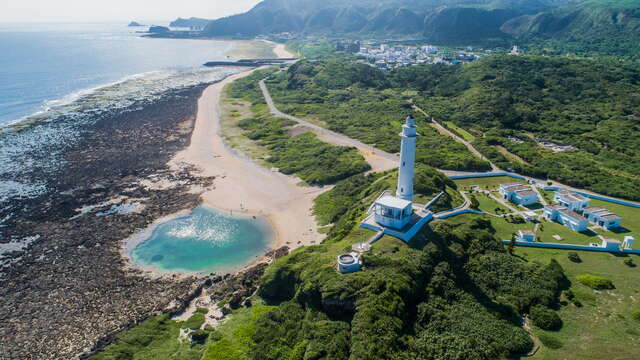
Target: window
(403,163)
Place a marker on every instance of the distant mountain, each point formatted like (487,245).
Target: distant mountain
(603,26)
(135,24)
(441,21)
(190,22)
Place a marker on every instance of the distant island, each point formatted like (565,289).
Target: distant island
(135,24)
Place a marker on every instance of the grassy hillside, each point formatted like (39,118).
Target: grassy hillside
(359,101)
(302,154)
(450,295)
(512,101)
(507,105)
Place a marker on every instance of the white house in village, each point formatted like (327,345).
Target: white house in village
(395,215)
(518,194)
(566,217)
(572,201)
(602,217)
(573,211)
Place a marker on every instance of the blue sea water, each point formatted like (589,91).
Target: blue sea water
(44,65)
(58,78)
(204,241)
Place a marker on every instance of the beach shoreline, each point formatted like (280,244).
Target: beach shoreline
(241,185)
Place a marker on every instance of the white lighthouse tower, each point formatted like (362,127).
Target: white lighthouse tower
(409,136)
(395,215)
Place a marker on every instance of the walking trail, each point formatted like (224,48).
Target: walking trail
(378,159)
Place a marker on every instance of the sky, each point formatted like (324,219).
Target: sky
(117,10)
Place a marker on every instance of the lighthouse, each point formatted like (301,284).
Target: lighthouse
(409,136)
(397,215)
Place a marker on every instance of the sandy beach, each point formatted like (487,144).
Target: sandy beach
(241,185)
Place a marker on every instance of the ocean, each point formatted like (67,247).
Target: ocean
(55,78)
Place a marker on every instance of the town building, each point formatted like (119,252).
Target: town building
(566,217)
(526,235)
(602,217)
(571,201)
(519,194)
(395,215)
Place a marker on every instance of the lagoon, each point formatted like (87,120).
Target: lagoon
(206,240)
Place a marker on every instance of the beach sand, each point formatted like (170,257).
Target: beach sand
(241,185)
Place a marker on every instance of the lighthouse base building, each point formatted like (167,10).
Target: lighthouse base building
(397,215)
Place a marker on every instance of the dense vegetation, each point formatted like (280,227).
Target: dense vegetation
(157,338)
(513,101)
(510,103)
(359,101)
(460,296)
(304,155)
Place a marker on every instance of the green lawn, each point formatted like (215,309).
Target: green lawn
(486,182)
(603,327)
(460,131)
(503,228)
(549,228)
(489,205)
(630,218)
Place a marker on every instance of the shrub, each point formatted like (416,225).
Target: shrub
(595,282)
(573,256)
(629,262)
(550,341)
(545,318)
(635,314)
(199,336)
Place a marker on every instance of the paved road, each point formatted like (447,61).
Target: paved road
(378,159)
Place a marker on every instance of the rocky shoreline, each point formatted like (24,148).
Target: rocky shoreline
(70,287)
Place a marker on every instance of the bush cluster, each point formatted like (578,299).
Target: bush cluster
(595,282)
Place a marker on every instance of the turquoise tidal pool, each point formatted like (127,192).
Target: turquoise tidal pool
(205,240)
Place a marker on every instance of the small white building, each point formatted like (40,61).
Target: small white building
(519,194)
(602,217)
(392,211)
(349,263)
(572,201)
(611,244)
(526,235)
(627,244)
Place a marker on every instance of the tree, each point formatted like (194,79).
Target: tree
(474,202)
(512,244)
(545,318)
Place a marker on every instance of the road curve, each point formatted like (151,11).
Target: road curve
(378,159)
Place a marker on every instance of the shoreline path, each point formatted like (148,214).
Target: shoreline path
(241,185)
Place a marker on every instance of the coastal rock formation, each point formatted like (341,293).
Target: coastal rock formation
(71,287)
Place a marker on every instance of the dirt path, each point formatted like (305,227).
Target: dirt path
(378,159)
(443,130)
